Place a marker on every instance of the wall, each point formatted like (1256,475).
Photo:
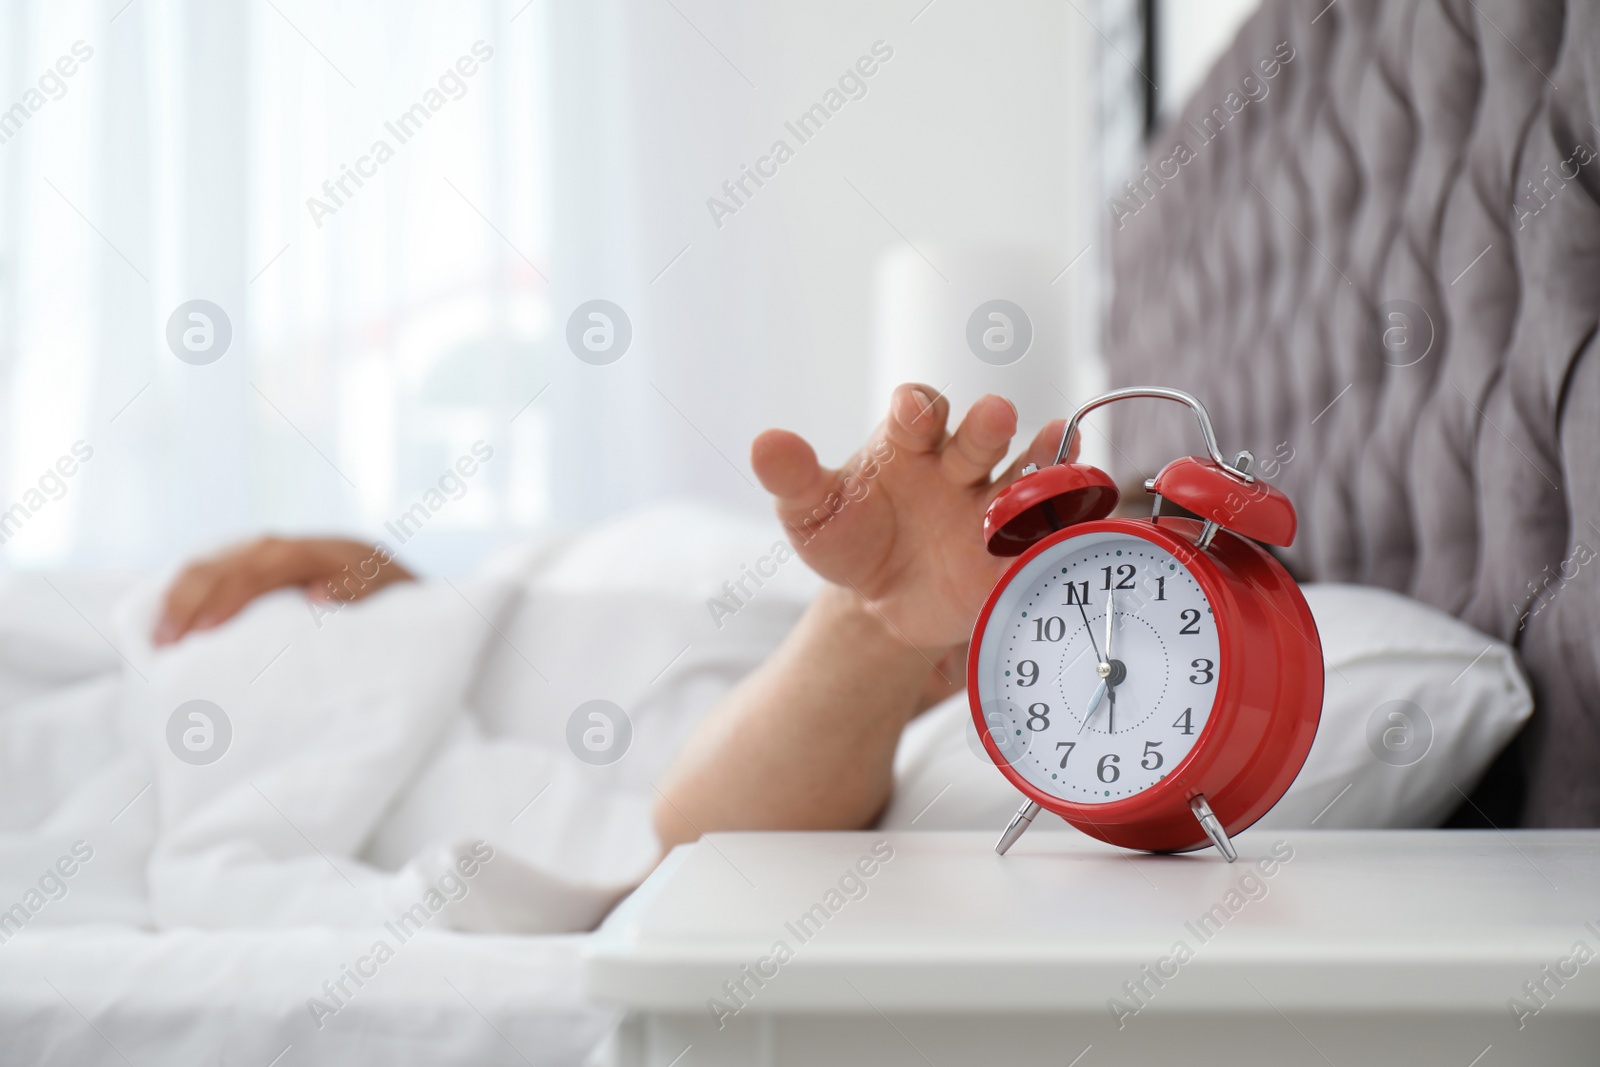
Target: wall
(975,135)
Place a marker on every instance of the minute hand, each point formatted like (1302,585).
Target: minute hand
(1101,660)
(1111,690)
(1111,607)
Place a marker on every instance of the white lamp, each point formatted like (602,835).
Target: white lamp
(975,320)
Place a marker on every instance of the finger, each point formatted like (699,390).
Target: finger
(787,467)
(917,417)
(344,588)
(980,441)
(352,583)
(226,598)
(1041,452)
(182,604)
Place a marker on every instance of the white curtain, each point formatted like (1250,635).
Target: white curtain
(379,329)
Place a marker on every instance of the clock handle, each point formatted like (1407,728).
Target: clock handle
(1213,827)
(1019,822)
(1156,393)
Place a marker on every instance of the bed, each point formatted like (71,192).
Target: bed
(405,751)
(116,995)
(396,855)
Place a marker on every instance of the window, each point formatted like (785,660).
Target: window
(357,188)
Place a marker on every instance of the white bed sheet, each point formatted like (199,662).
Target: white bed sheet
(91,995)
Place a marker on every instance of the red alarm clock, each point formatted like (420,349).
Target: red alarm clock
(1155,682)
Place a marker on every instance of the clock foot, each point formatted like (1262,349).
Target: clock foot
(1019,822)
(1213,827)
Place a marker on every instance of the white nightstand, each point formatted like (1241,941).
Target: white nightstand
(1356,948)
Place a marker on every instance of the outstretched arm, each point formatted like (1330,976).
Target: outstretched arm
(807,741)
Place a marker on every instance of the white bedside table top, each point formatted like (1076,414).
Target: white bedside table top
(1415,920)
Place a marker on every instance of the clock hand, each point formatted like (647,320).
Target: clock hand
(1109,669)
(1104,667)
(1094,702)
(1111,607)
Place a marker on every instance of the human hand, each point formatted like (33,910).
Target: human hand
(902,522)
(211,591)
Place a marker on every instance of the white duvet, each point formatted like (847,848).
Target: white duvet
(397,765)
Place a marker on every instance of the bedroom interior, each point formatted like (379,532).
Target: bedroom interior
(397,557)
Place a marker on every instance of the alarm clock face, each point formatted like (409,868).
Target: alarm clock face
(1068,725)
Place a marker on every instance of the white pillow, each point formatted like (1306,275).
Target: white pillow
(1416,705)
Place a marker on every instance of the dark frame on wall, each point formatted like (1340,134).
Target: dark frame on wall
(1149,56)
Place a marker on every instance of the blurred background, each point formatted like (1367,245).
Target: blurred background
(279,265)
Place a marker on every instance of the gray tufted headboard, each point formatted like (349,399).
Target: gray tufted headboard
(1381,266)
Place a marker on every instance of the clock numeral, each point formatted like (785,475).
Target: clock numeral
(1078,593)
(1191,621)
(1185,722)
(1161,587)
(1068,745)
(1052,629)
(1027,673)
(1041,716)
(1107,769)
(1149,752)
(1125,573)
(1204,671)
